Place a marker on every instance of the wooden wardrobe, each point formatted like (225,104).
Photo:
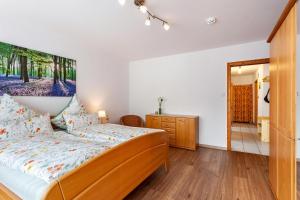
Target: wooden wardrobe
(282,160)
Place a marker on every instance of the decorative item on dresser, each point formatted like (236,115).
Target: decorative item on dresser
(160,101)
(182,129)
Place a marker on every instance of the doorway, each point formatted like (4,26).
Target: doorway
(243,113)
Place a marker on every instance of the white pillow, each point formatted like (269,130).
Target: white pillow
(74,108)
(78,121)
(29,127)
(11,110)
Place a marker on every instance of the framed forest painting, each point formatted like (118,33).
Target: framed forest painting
(26,72)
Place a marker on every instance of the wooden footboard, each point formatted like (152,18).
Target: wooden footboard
(115,173)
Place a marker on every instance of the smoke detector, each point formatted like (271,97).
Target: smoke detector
(211,20)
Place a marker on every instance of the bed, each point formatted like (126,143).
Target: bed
(110,175)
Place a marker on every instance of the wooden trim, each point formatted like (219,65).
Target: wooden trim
(255,102)
(281,19)
(211,147)
(6,194)
(229,66)
(111,175)
(249,62)
(229,106)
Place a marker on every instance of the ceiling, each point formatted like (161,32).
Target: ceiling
(245,70)
(120,31)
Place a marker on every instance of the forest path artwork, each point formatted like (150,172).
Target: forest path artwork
(26,72)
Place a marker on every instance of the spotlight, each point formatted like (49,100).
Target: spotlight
(122,2)
(148,21)
(166,26)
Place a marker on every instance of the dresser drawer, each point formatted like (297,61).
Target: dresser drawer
(170,130)
(153,122)
(168,125)
(168,119)
(172,139)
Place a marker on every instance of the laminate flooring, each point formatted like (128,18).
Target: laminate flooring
(208,174)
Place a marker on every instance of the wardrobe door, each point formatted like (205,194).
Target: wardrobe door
(283,116)
(273,158)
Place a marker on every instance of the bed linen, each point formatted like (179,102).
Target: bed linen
(74,108)
(27,187)
(28,165)
(12,110)
(110,132)
(49,156)
(35,125)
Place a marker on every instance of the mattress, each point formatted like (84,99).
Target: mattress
(27,187)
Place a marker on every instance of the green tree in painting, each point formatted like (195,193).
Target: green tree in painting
(29,72)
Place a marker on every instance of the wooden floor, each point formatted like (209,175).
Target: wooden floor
(208,174)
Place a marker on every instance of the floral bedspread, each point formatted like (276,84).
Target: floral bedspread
(49,156)
(110,132)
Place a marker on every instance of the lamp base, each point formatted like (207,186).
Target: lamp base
(103,120)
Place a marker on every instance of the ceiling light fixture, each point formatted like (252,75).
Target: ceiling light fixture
(166,26)
(148,21)
(122,2)
(141,5)
(143,9)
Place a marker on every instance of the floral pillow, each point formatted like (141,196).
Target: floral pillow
(78,121)
(11,110)
(36,125)
(39,124)
(74,108)
(10,129)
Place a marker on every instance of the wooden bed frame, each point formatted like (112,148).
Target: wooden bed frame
(111,175)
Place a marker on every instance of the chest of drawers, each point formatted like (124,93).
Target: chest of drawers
(182,130)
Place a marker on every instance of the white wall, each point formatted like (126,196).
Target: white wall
(192,83)
(102,79)
(246,79)
(263,107)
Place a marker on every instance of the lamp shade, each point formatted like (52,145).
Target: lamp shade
(101,113)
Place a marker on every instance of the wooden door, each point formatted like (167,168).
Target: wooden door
(282,165)
(242,103)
